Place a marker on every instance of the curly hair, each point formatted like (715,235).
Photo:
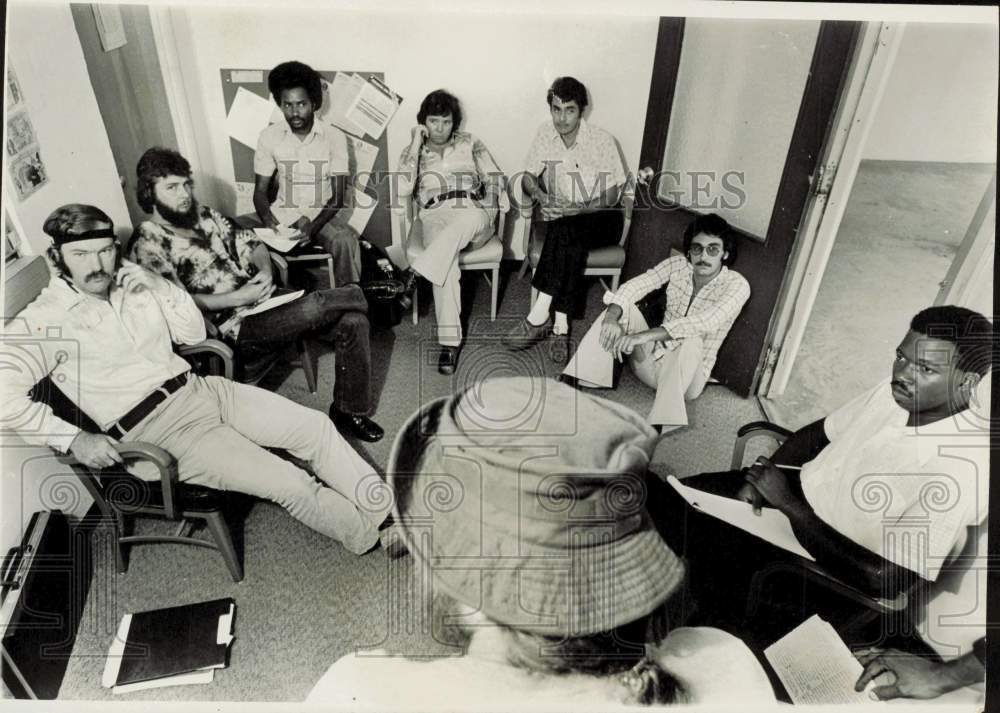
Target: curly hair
(441,103)
(568,89)
(157,163)
(969,331)
(292,75)
(716,225)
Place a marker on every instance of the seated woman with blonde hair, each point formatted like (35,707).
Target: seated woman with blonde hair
(522,502)
(457,184)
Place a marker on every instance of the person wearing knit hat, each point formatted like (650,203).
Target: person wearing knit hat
(522,502)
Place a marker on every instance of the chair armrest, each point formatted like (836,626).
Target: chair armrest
(752,430)
(212,347)
(280,265)
(165,463)
(882,604)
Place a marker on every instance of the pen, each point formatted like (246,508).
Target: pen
(788,467)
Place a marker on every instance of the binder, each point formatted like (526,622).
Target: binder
(154,647)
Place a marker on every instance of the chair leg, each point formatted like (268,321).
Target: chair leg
(416,312)
(121,550)
(534,296)
(220,532)
(329,270)
(524,268)
(495,285)
(614,281)
(308,364)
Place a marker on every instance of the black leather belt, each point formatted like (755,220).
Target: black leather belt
(441,197)
(145,407)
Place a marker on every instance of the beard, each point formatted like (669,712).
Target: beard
(182,219)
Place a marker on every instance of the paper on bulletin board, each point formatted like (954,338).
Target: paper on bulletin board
(364,161)
(362,207)
(249,115)
(244,198)
(340,94)
(373,107)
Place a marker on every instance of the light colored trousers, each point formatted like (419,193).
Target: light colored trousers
(677,375)
(436,238)
(217,430)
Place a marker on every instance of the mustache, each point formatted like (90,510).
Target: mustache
(702,263)
(96,275)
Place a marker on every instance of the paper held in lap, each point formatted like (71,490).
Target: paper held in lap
(771,525)
(283,239)
(270,303)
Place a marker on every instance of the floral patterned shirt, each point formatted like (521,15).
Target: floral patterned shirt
(217,261)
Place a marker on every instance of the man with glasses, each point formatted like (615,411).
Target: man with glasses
(703,299)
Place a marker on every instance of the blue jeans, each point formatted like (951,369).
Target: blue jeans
(343,310)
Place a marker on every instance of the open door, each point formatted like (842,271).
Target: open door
(738,116)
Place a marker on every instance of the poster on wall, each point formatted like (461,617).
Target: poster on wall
(20,133)
(28,172)
(13,89)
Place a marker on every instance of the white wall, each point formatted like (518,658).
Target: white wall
(941,100)
(498,65)
(45,52)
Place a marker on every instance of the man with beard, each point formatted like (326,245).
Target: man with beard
(122,372)
(225,268)
(307,162)
(703,298)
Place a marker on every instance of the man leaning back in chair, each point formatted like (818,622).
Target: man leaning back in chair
(124,374)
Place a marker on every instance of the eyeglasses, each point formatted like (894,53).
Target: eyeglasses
(711,250)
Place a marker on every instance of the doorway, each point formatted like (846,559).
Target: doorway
(918,206)
(722,136)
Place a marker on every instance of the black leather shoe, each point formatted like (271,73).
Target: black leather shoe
(360,427)
(448,360)
(525,334)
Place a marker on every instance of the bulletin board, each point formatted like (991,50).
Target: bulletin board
(376,185)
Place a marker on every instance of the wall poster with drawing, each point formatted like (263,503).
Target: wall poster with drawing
(27,171)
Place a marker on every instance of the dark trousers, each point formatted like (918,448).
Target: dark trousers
(341,311)
(722,560)
(564,253)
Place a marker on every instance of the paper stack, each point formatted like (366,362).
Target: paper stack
(170,647)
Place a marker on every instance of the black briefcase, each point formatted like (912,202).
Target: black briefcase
(44,589)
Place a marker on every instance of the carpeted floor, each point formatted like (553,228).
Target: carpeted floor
(305,601)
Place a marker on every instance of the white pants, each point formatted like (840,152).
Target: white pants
(677,375)
(436,238)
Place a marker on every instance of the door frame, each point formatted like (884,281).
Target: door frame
(972,263)
(657,228)
(869,75)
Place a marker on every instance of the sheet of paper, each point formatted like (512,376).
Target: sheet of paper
(815,665)
(182,679)
(372,109)
(272,302)
(771,525)
(224,633)
(285,216)
(282,240)
(362,206)
(342,92)
(248,116)
(244,198)
(364,159)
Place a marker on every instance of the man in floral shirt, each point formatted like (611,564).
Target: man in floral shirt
(227,270)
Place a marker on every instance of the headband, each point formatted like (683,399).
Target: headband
(64,238)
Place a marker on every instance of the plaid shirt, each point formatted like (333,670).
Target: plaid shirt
(709,315)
